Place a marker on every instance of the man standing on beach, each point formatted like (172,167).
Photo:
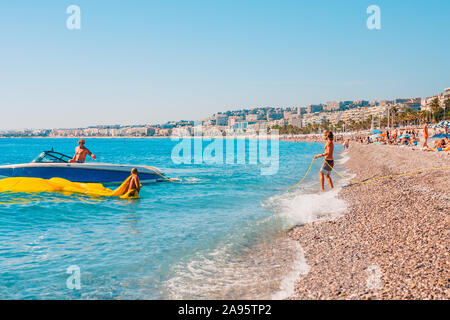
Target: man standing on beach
(425,134)
(81,152)
(328,163)
(347,144)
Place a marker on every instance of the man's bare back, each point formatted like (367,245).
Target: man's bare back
(135,183)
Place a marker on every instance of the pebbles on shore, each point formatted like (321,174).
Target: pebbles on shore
(393,243)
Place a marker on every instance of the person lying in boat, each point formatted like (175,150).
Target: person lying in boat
(135,183)
(81,152)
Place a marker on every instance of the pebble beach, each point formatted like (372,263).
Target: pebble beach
(393,240)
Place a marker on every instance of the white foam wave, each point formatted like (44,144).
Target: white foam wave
(301,208)
(344,159)
(287,285)
(253,273)
(269,271)
(193,180)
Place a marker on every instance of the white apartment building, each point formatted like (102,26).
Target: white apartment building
(251,117)
(426,102)
(221,120)
(355,114)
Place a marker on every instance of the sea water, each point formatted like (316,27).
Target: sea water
(219,233)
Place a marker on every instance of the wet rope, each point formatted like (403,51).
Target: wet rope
(310,166)
(161,175)
(370,180)
(332,168)
(388,176)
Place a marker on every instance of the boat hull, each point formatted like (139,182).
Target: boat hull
(78,172)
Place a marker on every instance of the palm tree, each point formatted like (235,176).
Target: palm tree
(384,122)
(435,107)
(340,124)
(315,127)
(410,115)
(393,112)
(351,125)
(446,107)
(326,125)
(423,116)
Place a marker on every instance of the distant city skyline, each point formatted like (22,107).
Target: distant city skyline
(333,115)
(153,62)
(329,106)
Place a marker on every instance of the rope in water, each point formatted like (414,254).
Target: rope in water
(307,171)
(161,175)
(370,180)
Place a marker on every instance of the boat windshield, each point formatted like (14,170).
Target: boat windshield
(52,157)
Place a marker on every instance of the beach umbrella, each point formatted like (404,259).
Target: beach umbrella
(442,124)
(375,136)
(375,131)
(441,136)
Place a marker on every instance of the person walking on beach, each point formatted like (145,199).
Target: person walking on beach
(425,134)
(81,152)
(346,144)
(328,164)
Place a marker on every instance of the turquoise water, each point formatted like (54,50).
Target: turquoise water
(193,239)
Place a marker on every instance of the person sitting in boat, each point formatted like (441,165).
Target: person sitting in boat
(80,153)
(135,184)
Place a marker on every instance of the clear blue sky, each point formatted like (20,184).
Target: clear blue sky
(153,61)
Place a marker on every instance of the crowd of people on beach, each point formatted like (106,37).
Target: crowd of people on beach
(416,138)
(410,137)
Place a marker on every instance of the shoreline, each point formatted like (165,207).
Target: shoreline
(339,252)
(282,138)
(392,241)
